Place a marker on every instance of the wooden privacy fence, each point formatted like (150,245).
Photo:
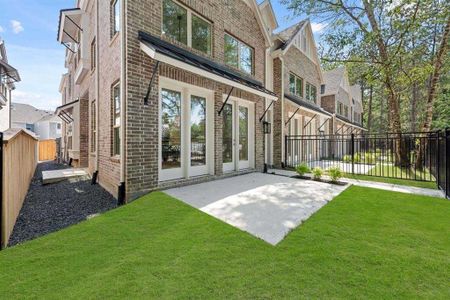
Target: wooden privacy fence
(47,150)
(18,159)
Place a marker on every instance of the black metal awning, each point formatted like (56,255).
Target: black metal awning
(64,111)
(8,73)
(166,52)
(69,26)
(344,119)
(306,104)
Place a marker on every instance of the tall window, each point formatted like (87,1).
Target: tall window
(93,55)
(198,131)
(93,126)
(311,92)
(186,27)
(115,17)
(340,109)
(171,129)
(295,85)
(238,54)
(346,111)
(116,119)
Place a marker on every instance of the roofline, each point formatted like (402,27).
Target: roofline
(317,109)
(260,21)
(268,2)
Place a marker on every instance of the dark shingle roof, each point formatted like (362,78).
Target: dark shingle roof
(306,104)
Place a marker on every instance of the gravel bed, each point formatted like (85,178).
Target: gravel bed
(51,207)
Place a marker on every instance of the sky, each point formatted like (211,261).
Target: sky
(29,29)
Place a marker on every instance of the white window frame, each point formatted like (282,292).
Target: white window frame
(239,42)
(186,170)
(236,164)
(295,84)
(189,14)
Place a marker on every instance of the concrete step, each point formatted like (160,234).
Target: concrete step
(60,175)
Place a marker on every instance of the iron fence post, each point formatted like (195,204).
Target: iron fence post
(438,161)
(285,150)
(1,190)
(447,162)
(352,151)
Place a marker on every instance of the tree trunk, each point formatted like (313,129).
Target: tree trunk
(413,107)
(438,62)
(401,156)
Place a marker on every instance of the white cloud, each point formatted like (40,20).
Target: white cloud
(16,26)
(37,100)
(1,29)
(318,27)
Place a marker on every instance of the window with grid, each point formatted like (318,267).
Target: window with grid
(115,17)
(295,85)
(93,126)
(311,92)
(238,54)
(185,26)
(116,119)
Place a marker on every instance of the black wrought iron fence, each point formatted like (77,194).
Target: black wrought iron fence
(413,156)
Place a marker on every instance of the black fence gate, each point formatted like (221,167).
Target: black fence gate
(412,156)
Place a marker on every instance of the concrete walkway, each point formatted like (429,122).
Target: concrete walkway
(376,185)
(267,206)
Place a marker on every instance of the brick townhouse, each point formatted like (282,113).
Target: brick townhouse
(164,92)
(343,101)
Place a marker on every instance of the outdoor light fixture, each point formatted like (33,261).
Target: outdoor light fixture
(266,127)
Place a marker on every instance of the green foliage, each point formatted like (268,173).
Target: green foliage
(370,158)
(302,169)
(317,173)
(347,158)
(335,174)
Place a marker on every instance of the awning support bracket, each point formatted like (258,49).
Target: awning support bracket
(64,118)
(65,45)
(306,125)
(264,114)
(318,129)
(73,22)
(226,100)
(339,129)
(71,37)
(150,85)
(290,118)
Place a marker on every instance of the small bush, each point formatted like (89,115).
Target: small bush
(302,169)
(369,158)
(347,158)
(317,173)
(357,158)
(335,174)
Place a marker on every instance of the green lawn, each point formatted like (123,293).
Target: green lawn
(366,243)
(400,173)
(421,184)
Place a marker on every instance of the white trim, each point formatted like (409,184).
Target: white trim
(150,51)
(186,170)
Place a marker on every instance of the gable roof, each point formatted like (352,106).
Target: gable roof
(268,13)
(287,35)
(25,113)
(332,80)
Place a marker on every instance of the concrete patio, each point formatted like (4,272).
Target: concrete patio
(267,206)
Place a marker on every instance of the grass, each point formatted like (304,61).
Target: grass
(366,243)
(400,173)
(420,184)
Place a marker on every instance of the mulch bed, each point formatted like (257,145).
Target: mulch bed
(51,207)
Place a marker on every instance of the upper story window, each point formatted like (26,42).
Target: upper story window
(186,27)
(116,119)
(311,93)
(295,85)
(238,54)
(115,17)
(340,108)
(346,111)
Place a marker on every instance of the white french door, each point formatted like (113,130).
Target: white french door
(186,130)
(238,135)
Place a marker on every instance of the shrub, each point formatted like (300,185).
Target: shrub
(317,173)
(302,169)
(335,174)
(369,158)
(347,158)
(357,158)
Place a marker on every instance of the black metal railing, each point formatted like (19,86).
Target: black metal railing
(412,156)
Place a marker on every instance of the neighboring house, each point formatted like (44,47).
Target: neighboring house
(344,101)
(8,76)
(297,79)
(164,92)
(45,124)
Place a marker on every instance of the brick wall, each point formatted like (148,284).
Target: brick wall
(278,123)
(329,103)
(142,126)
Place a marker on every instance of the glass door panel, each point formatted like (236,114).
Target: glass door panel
(228,138)
(243,133)
(198,131)
(171,133)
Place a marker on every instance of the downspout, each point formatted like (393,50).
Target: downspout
(97,91)
(123,94)
(282,110)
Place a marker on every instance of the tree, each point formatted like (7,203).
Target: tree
(381,35)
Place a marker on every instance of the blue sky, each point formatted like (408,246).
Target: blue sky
(29,29)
